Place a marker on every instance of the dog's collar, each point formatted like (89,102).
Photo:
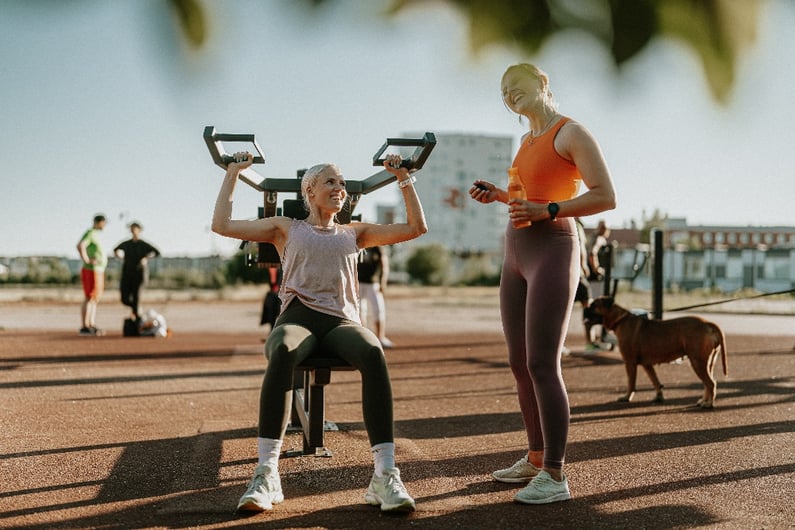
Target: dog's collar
(619,320)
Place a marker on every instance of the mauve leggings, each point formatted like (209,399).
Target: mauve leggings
(297,332)
(537,287)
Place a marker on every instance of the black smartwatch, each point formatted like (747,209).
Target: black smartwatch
(553,208)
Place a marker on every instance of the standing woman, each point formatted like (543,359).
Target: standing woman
(541,270)
(319,299)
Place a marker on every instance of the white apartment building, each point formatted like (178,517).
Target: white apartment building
(462,225)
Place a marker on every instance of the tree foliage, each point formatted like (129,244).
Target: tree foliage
(657,220)
(429,264)
(717,31)
(192,21)
(238,270)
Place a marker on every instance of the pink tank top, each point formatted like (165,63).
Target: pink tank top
(319,268)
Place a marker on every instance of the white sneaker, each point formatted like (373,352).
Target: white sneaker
(389,492)
(521,471)
(386,343)
(264,490)
(544,489)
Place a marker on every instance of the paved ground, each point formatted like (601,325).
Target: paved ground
(116,432)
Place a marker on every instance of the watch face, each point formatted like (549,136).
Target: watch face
(553,209)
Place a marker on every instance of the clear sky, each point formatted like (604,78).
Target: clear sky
(103,109)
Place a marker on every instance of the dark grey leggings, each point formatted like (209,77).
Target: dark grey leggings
(537,287)
(297,332)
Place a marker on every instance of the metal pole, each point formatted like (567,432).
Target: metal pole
(657,275)
(607,256)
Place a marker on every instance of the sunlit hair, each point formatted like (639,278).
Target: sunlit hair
(526,69)
(311,177)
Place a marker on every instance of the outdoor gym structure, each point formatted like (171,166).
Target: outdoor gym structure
(314,373)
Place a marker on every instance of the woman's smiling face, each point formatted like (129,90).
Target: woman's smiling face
(521,91)
(329,188)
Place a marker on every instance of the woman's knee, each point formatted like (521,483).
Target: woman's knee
(542,369)
(357,345)
(518,369)
(285,355)
(280,366)
(369,358)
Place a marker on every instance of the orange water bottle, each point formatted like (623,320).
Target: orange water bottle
(516,191)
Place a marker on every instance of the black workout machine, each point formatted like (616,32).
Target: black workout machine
(271,187)
(315,371)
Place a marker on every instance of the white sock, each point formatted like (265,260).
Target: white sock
(383,457)
(268,451)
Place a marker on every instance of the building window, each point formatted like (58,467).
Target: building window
(694,267)
(734,268)
(707,238)
(732,238)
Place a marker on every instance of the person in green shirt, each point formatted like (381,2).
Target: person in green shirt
(92,275)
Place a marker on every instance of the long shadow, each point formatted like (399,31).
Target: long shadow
(476,361)
(781,387)
(634,445)
(455,342)
(459,426)
(611,409)
(191,494)
(119,396)
(259,371)
(130,379)
(221,353)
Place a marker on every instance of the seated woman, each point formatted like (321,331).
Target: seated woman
(320,307)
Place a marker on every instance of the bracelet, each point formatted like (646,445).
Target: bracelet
(405,183)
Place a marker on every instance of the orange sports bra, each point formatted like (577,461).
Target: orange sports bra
(545,174)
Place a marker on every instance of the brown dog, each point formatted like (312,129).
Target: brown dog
(647,342)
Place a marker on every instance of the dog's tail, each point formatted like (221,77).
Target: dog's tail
(722,344)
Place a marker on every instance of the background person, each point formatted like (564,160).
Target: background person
(541,270)
(320,297)
(373,271)
(583,294)
(136,252)
(92,275)
(596,258)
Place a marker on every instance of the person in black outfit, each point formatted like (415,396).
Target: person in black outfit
(135,252)
(373,271)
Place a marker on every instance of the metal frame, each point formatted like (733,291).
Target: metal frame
(423,145)
(215,144)
(271,187)
(314,373)
(356,188)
